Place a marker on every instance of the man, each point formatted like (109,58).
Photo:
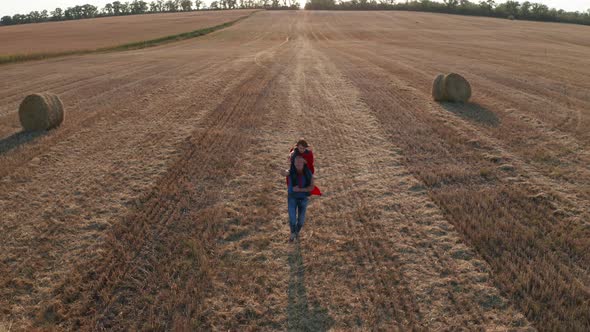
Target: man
(300,184)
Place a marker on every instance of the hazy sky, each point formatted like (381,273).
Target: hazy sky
(11,7)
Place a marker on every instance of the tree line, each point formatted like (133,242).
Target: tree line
(118,8)
(510,9)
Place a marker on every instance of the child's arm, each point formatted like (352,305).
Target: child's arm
(290,159)
(306,189)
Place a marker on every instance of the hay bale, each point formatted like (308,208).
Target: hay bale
(41,111)
(456,88)
(438,91)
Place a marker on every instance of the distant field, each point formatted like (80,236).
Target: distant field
(53,37)
(158,204)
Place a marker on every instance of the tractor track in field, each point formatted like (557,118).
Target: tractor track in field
(495,86)
(395,296)
(64,84)
(156,127)
(390,296)
(107,84)
(79,117)
(565,270)
(338,239)
(122,176)
(227,128)
(571,197)
(505,153)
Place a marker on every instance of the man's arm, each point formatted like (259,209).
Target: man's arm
(285,172)
(308,188)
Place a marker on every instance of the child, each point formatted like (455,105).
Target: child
(301,148)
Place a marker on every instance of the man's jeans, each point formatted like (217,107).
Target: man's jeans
(296,220)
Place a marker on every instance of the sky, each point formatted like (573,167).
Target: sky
(11,7)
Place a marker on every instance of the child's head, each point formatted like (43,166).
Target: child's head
(302,145)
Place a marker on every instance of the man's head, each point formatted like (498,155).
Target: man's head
(299,163)
(302,145)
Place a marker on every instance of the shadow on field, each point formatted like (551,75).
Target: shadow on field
(299,316)
(473,112)
(20,138)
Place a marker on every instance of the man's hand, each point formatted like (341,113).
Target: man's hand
(297,189)
(285,172)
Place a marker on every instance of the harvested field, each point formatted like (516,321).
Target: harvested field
(158,203)
(91,34)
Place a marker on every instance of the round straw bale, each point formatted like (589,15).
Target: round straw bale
(41,111)
(456,88)
(438,91)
